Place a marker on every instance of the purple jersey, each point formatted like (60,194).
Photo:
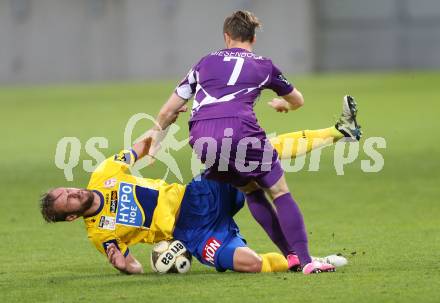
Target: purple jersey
(226,83)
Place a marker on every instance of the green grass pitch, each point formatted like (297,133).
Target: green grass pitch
(386,223)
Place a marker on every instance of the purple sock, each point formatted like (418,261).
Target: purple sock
(292,224)
(265,215)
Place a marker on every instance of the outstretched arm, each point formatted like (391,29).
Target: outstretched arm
(127,265)
(185,90)
(142,148)
(167,115)
(169,112)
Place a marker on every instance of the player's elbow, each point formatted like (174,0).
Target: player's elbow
(137,271)
(298,99)
(299,102)
(295,99)
(132,269)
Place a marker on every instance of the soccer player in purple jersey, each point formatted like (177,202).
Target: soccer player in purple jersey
(225,85)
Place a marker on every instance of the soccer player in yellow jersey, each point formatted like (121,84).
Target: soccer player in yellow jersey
(120,210)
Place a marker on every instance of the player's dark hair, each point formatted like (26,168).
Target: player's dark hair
(241,26)
(47,201)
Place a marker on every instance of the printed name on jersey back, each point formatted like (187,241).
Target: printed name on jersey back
(236,54)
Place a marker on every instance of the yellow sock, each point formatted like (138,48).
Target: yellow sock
(274,262)
(294,144)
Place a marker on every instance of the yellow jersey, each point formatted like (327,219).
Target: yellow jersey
(132,209)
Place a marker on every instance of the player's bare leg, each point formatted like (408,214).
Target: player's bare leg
(247,260)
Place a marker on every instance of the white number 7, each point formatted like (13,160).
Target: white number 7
(237,69)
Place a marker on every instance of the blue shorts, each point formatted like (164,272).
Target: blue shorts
(206,225)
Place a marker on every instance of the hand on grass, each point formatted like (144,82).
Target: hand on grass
(115,257)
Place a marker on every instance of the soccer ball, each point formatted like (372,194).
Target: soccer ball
(170,257)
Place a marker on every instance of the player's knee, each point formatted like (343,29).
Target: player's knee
(278,189)
(254,266)
(246,260)
(250,188)
(257,265)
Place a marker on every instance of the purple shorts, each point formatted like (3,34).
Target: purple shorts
(235,151)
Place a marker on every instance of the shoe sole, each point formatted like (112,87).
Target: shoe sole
(318,271)
(295,268)
(352,106)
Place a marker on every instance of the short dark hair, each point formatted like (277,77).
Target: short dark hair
(48,211)
(241,26)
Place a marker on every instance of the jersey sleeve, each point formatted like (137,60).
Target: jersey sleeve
(103,240)
(187,87)
(120,162)
(278,83)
